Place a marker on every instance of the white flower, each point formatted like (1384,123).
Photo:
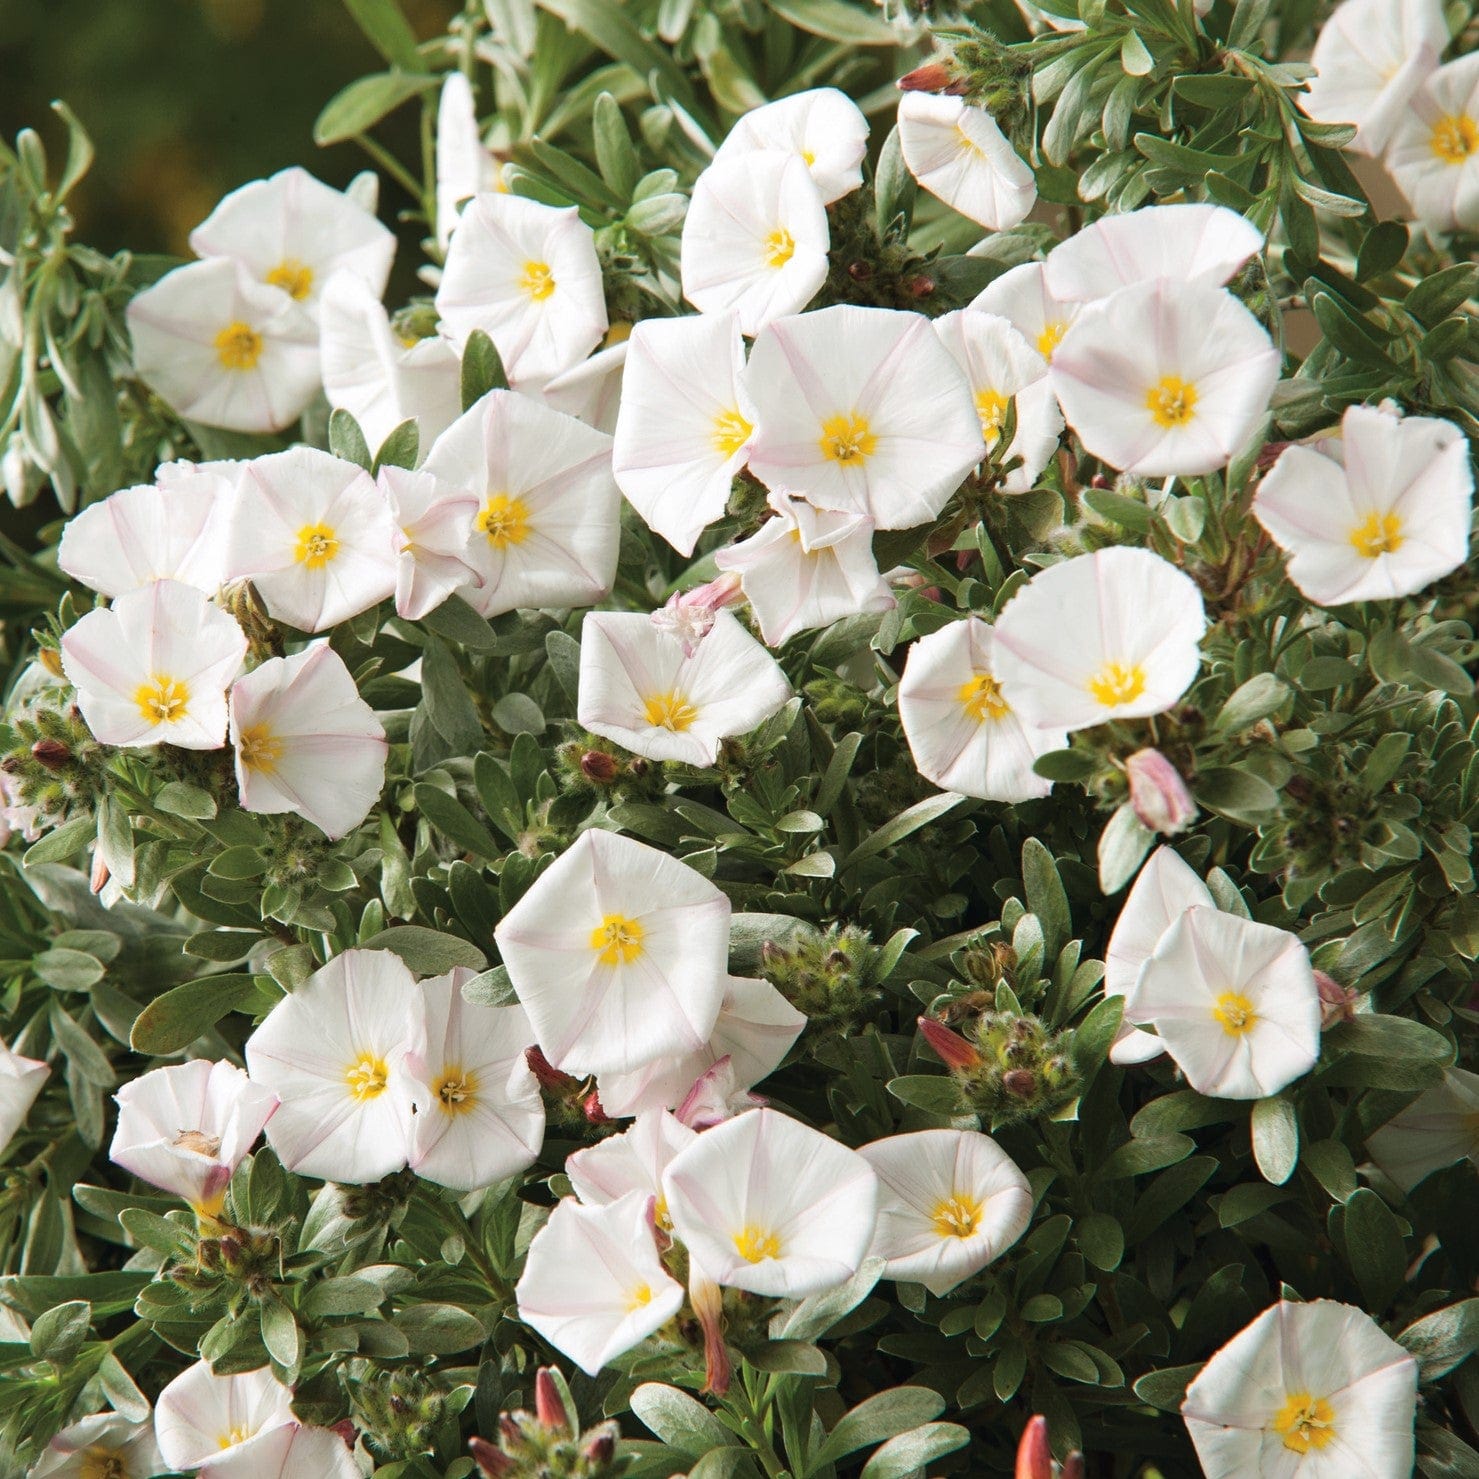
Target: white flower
(316,537)
(591,391)
(1166,888)
(807,568)
(755,238)
(103,1446)
(434,523)
(464,166)
(1109,635)
(187,1127)
(822,127)
(224,350)
(1434,156)
(294,233)
(1439,1128)
(684,424)
(21,1080)
(481,1117)
(1001,367)
(618,954)
(154,668)
(527,275)
(763,1203)
(638,688)
(379,378)
(1022,297)
(335,1052)
(632,1161)
(547,528)
(958,153)
(1312,1390)
(754,1031)
(288,1452)
(306,742)
(1371,58)
(864,410)
(950,1202)
(1382,513)
(1234,1003)
(1165,378)
(593,1285)
(199,1416)
(963,733)
(1182,244)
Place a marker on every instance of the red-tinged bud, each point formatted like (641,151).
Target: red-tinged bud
(600,1448)
(1020,1083)
(707,1300)
(1034,1457)
(591,1107)
(511,1432)
(99,879)
(1270,453)
(492,1461)
(550,1078)
(53,754)
(919,287)
(345,1429)
(598,766)
(954,1051)
(549,1406)
(860,271)
(1337,1002)
(935,76)
(1100,481)
(1073,1466)
(1158,795)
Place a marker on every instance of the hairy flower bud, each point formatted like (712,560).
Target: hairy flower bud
(53,754)
(954,1051)
(1158,794)
(598,766)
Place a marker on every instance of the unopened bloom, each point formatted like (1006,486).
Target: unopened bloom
(306,742)
(593,1284)
(1382,515)
(822,127)
(1434,157)
(291,1451)
(864,411)
(433,520)
(1315,1390)
(763,1203)
(481,1117)
(963,733)
(315,536)
(380,379)
(685,422)
(548,522)
(950,1202)
(1439,1128)
(755,238)
(21,1080)
(1233,1001)
(153,668)
(293,232)
(1165,377)
(1002,370)
(464,165)
(632,1161)
(715,1096)
(200,1416)
(223,349)
(335,1052)
(618,954)
(638,688)
(1021,295)
(1371,58)
(1109,635)
(103,1446)
(958,153)
(688,616)
(807,568)
(1158,794)
(527,274)
(187,1127)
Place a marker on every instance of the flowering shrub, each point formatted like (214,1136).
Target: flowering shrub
(813,819)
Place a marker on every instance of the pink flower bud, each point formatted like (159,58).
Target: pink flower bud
(492,1461)
(550,1079)
(1158,794)
(1034,1457)
(707,1300)
(1337,1002)
(689,615)
(933,76)
(954,1051)
(549,1406)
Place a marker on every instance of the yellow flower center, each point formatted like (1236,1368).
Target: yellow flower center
(295,278)
(809,156)
(504,520)
(163,700)
(367,1077)
(103,1463)
(1378,534)
(1235,1012)
(238,346)
(1172,401)
(754,1243)
(958,1216)
(617,940)
(780,247)
(1115,683)
(966,144)
(259,748)
(1455,138)
(537,280)
(317,545)
(232,1436)
(991,407)
(731,431)
(1051,336)
(981,699)
(1306,1422)
(848,439)
(456,1092)
(670,711)
(638,1296)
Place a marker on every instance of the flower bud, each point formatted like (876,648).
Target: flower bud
(1020,1083)
(935,76)
(549,1405)
(53,754)
(1158,794)
(598,766)
(550,1078)
(954,1051)
(1034,1457)
(492,1461)
(1337,1002)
